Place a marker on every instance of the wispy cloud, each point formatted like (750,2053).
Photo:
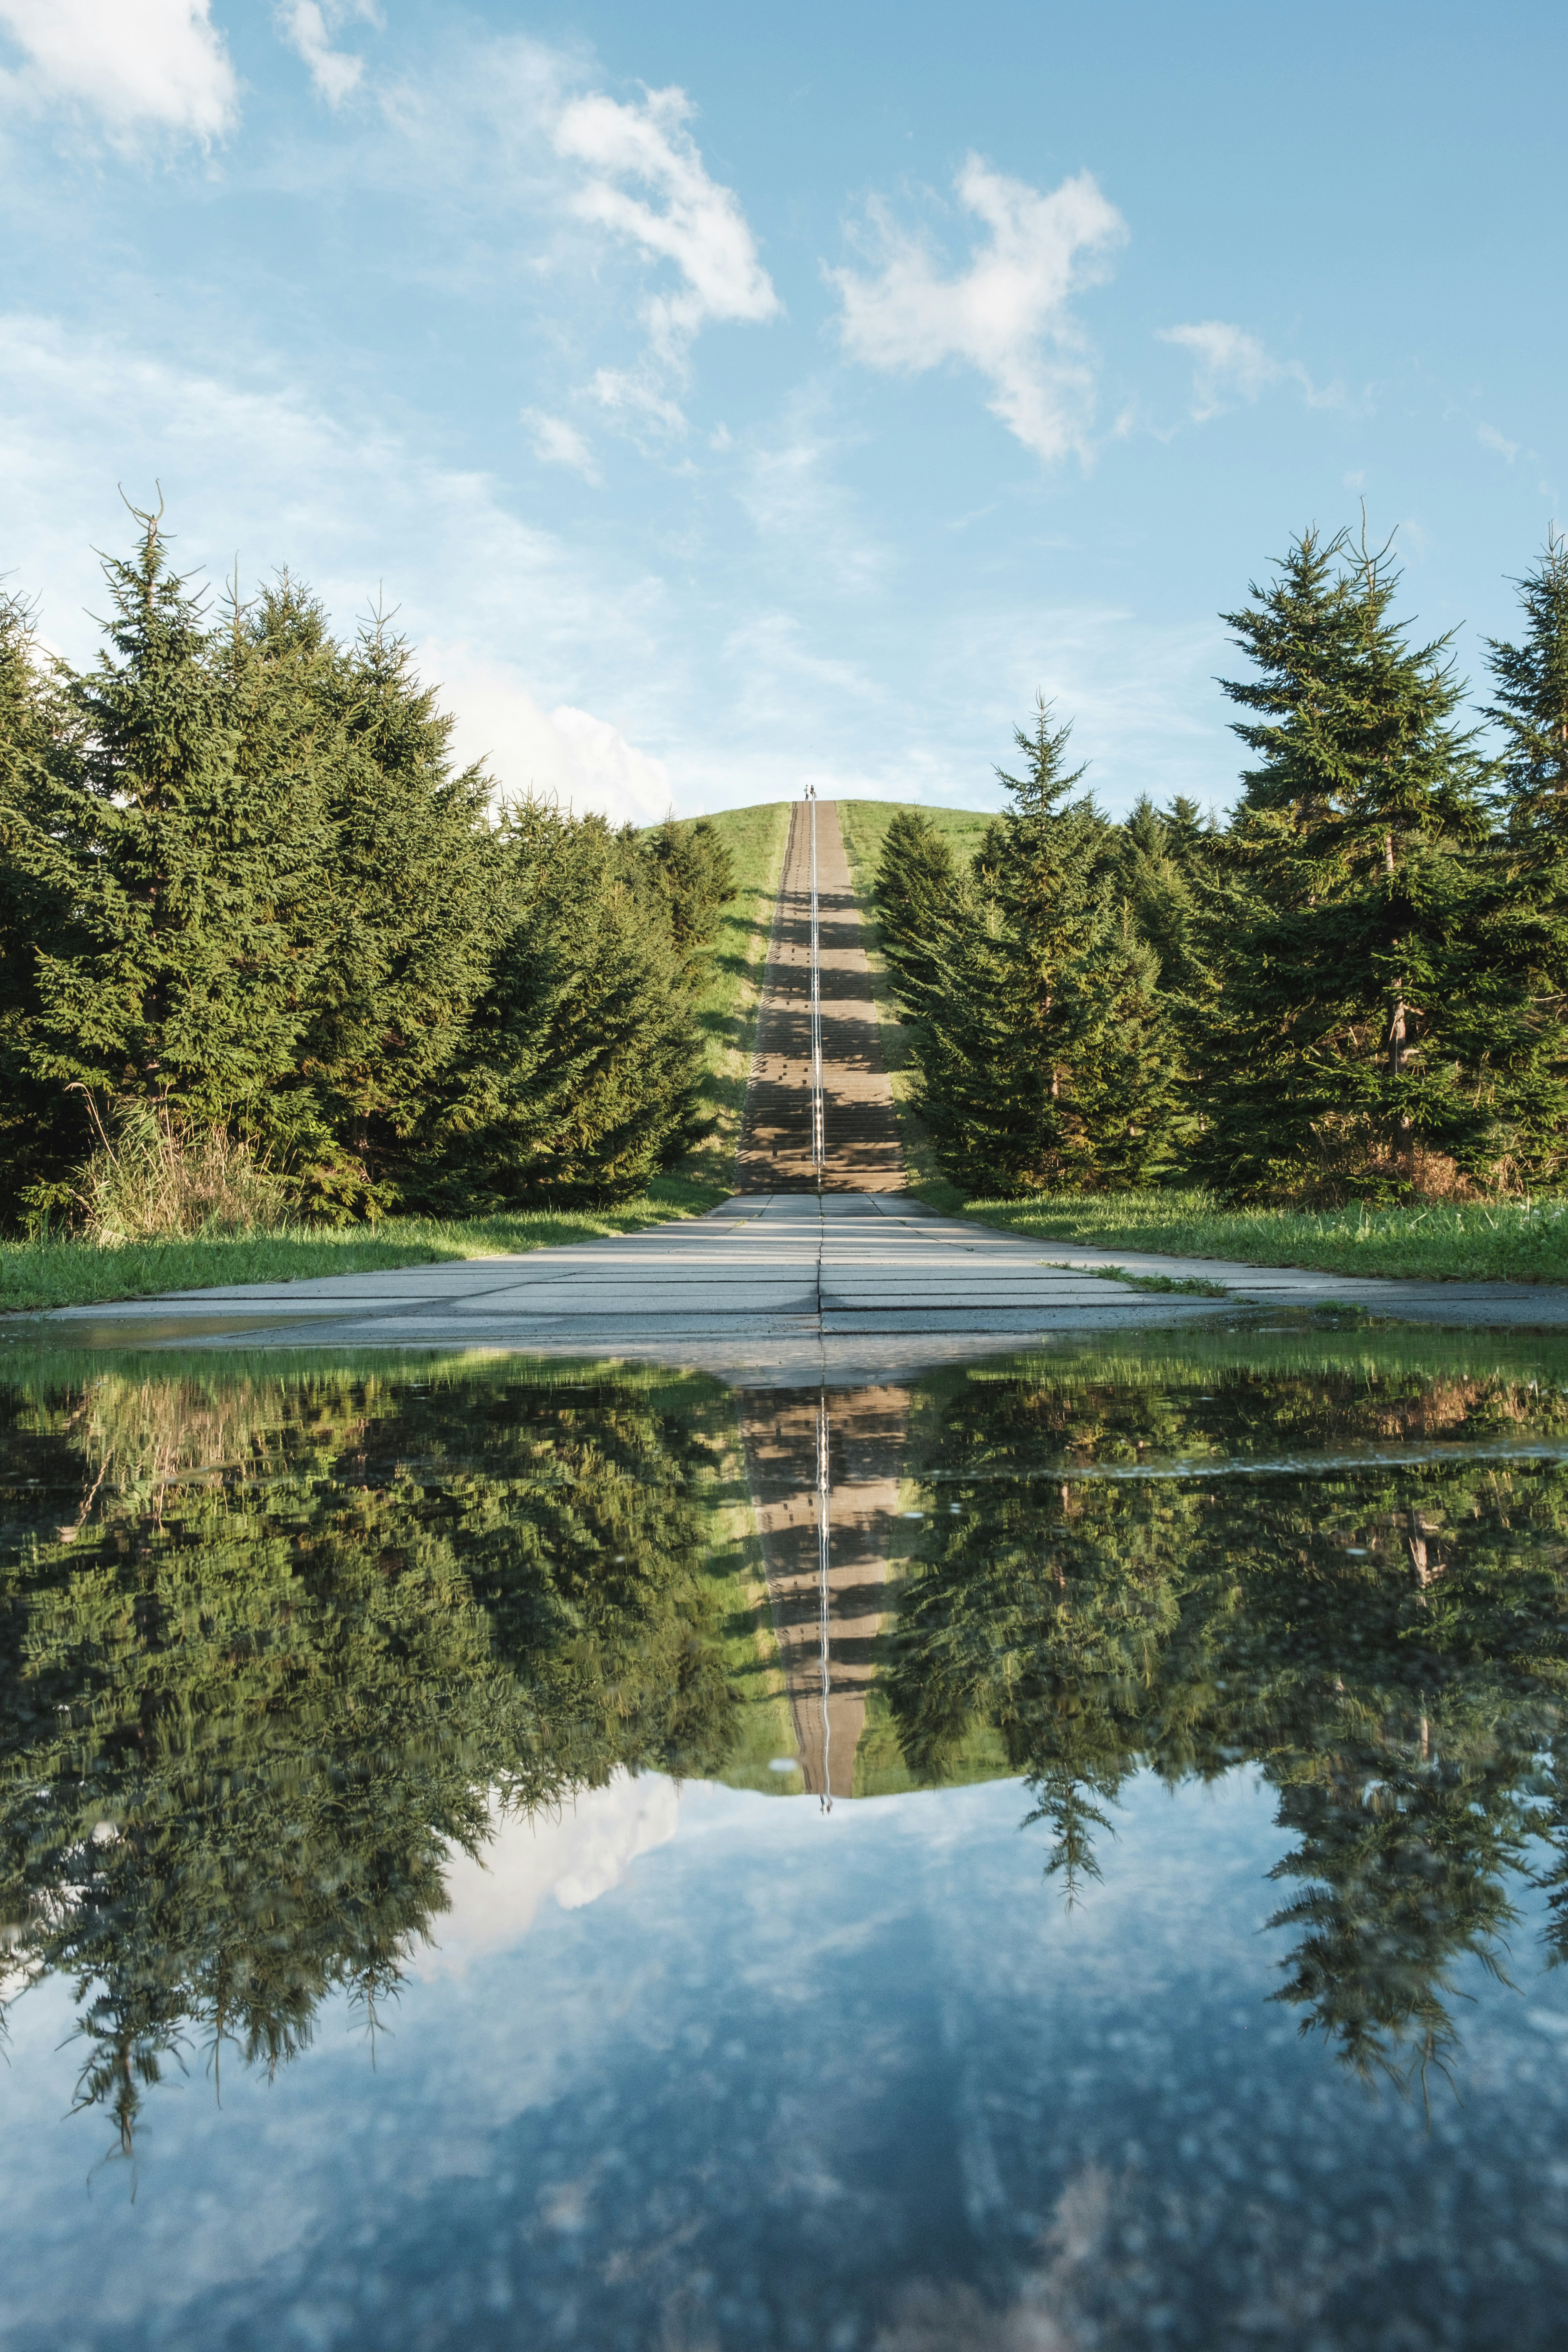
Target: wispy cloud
(344,502)
(1491,438)
(672,211)
(1009,314)
(140,66)
(787,479)
(1229,365)
(308,26)
(557,443)
(614,224)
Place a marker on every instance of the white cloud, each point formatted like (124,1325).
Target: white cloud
(260,467)
(577,1856)
(139,65)
(557,443)
(564,754)
(637,401)
(308,26)
(1230,364)
(688,218)
(816,527)
(1491,438)
(1007,314)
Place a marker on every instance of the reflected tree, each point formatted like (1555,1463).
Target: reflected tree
(266,1647)
(1135,1578)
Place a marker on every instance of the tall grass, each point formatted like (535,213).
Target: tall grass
(156,1178)
(1442,1242)
(727,1009)
(81,1273)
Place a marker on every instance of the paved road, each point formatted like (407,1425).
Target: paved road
(860,1126)
(762,1287)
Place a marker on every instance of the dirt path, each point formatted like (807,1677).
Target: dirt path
(859,1123)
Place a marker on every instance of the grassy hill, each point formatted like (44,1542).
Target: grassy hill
(866,822)
(727,1010)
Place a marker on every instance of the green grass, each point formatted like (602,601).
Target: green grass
(1190,1285)
(727,1010)
(1495,1242)
(34,1275)
(864,827)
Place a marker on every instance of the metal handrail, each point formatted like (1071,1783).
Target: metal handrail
(825,1593)
(818,1140)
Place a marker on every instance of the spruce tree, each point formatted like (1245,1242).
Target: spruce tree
(1047,1060)
(1525,925)
(914,897)
(42,1135)
(1530,683)
(413,905)
(693,878)
(576,1078)
(179,983)
(1363,991)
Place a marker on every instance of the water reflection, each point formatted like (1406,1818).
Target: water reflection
(272,1646)
(278,1641)
(1385,1639)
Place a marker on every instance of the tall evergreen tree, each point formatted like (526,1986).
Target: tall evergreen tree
(693,875)
(416,902)
(41,1136)
(1367,1014)
(1046,1059)
(182,978)
(1530,683)
(577,1076)
(915,894)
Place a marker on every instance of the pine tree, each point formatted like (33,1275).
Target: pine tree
(414,904)
(693,875)
(1048,1061)
(914,897)
(181,986)
(1531,682)
(41,1134)
(1524,926)
(577,1080)
(1363,995)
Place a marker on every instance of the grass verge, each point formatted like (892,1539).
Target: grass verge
(34,1275)
(727,1009)
(1495,1242)
(864,827)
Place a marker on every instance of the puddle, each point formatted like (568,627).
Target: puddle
(1066,1851)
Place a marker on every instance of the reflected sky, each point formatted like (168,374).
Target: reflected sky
(403,1890)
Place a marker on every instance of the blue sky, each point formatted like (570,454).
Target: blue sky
(733,399)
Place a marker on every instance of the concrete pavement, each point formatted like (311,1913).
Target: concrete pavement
(770,1280)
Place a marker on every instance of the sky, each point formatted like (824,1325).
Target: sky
(727,400)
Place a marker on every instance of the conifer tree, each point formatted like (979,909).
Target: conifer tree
(1530,683)
(179,981)
(694,877)
(577,1080)
(41,1136)
(1047,1058)
(915,894)
(414,902)
(1364,998)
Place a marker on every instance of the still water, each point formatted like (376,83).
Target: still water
(1064,1853)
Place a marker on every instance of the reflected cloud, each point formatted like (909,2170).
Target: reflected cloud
(577,1855)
